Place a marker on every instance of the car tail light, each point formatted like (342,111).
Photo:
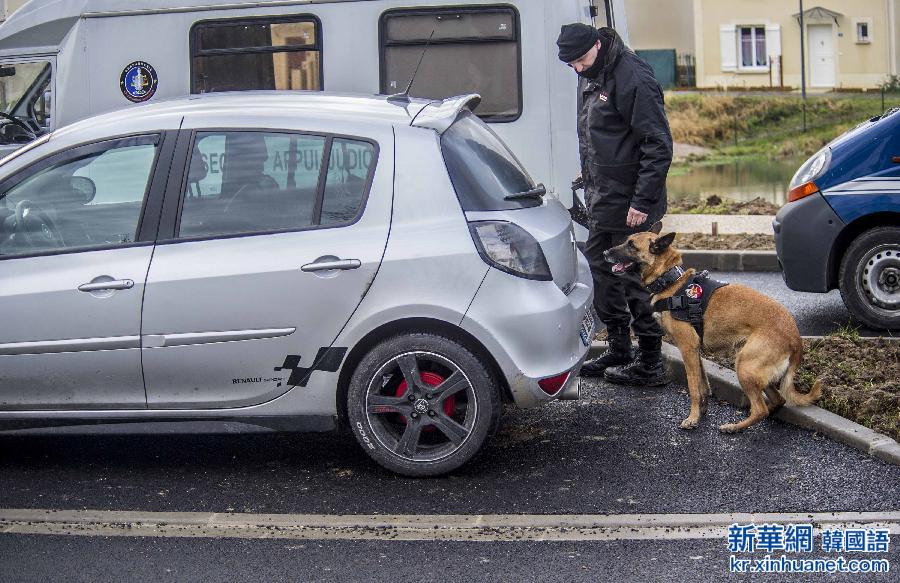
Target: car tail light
(802,191)
(552,385)
(510,248)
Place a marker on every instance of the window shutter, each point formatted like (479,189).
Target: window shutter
(728,43)
(773,39)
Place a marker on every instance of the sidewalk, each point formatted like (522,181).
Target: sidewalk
(727,224)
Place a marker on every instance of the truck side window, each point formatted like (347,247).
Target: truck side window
(247,54)
(25,100)
(472,50)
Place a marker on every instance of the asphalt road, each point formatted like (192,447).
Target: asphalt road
(619,450)
(816,314)
(37,558)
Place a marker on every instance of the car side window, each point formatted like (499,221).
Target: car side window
(242,182)
(93,199)
(349,169)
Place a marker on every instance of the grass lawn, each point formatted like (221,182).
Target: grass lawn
(767,126)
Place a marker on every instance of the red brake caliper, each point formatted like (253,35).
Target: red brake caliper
(432,380)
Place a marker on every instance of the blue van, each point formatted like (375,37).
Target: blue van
(841,226)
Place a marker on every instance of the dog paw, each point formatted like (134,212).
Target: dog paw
(728,428)
(689,423)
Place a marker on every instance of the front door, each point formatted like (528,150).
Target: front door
(277,242)
(72,272)
(821,55)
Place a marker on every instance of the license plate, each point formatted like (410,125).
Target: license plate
(587,328)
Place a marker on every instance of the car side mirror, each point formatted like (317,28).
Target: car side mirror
(85,187)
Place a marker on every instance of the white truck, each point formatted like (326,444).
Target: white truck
(64,60)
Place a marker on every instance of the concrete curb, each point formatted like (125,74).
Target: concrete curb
(725,386)
(730,260)
(725,224)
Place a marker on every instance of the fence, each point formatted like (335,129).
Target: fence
(686,71)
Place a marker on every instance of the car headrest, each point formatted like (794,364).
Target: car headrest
(199,167)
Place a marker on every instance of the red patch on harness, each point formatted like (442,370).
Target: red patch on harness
(694,291)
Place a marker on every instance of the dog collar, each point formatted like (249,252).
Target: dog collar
(665,280)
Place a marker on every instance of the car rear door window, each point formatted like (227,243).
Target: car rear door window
(349,169)
(242,182)
(84,201)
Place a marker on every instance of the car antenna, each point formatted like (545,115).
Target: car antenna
(404,97)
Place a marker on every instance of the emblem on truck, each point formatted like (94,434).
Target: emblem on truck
(138,82)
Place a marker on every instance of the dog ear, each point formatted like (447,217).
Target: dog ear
(662,243)
(656,229)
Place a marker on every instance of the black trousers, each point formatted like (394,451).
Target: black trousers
(620,300)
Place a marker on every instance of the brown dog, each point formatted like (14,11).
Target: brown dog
(737,318)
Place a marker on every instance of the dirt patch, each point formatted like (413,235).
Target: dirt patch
(860,378)
(742,242)
(716,205)
(682,152)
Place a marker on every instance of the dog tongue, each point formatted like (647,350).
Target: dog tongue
(620,267)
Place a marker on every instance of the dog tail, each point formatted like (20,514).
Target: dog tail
(794,397)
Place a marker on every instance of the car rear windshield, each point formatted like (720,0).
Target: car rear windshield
(482,168)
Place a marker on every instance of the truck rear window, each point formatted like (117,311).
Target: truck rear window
(483,170)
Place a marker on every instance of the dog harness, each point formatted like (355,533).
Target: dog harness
(689,303)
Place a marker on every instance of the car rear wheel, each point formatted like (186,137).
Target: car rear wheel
(870,278)
(422,404)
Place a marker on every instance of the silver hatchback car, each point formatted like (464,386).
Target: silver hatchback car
(291,260)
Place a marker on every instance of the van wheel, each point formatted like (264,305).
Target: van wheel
(421,404)
(870,278)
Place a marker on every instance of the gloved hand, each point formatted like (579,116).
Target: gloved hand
(578,213)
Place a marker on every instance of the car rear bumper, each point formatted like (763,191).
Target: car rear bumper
(532,330)
(805,232)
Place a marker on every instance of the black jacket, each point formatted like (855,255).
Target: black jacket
(624,139)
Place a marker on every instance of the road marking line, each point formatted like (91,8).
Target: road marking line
(449,527)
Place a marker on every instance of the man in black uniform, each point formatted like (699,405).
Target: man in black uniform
(626,149)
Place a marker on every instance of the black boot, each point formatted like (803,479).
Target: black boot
(618,353)
(646,370)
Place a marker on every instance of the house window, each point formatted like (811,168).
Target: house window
(472,50)
(753,46)
(862,32)
(245,54)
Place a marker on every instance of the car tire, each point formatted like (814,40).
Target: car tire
(438,426)
(870,278)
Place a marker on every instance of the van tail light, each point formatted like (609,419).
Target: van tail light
(552,385)
(802,191)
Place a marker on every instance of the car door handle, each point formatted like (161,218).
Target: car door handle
(329,265)
(106,285)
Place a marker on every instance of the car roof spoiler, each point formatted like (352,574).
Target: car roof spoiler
(440,115)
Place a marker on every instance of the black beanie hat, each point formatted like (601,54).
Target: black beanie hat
(575,40)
